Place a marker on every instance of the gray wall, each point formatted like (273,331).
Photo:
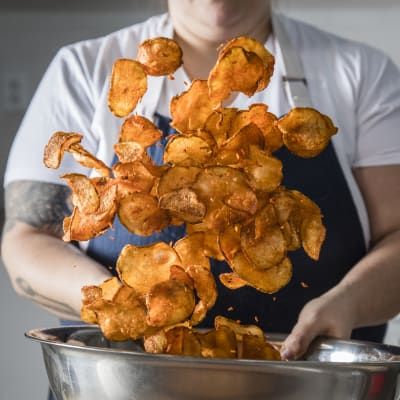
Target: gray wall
(28,40)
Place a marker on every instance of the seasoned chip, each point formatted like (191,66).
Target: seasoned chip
(88,160)
(239,330)
(313,235)
(184,204)
(140,214)
(306,132)
(134,174)
(140,130)
(232,281)
(191,250)
(187,151)
(237,70)
(190,109)
(229,241)
(258,114)
(219,124)
(143,267)
(252,45)
(84,193)
(57,145)
(128,85)
(264,280)
(160,56)
(176,178)
(109,288)
(257,348)
(219,343)
(128,152)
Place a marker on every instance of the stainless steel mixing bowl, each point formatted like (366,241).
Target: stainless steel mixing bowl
(82,365)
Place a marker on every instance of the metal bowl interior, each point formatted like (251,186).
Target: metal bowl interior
(82,364)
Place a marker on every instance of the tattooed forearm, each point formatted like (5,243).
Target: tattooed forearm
(39,204)
(45,301)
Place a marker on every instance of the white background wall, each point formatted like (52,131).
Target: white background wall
(29,39)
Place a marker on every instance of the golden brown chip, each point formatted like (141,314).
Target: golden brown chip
(306,132)
(181,340)
(140,214)
(239,330)
(109,288)
(232,281)
(191,250)
(128,85)
(160,56)
(190,109)
(57,145)
(219,124)
(128,152)
(292,235)
(140,130)
(84,193)
(132,178)
(156,343)
(313,235)
(143,267)
(88,160)
(264,280)
(90,294)
(176,178)
(237,70)
(184,204)
(257,348)
(252,45)
(229,242)
(258,114)
(169,303)
(219,343)
(187,151)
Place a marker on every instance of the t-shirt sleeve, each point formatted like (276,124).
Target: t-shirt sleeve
(63,102)
(378,112)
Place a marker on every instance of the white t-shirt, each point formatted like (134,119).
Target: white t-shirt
(357,86)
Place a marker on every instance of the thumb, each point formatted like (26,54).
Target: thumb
(297,343)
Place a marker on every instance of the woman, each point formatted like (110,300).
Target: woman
(355,181)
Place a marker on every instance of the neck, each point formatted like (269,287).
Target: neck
(200,54)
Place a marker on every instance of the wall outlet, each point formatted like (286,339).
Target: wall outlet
(15,91)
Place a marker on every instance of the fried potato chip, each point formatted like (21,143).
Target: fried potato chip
(257,348)
(284,204)
(160,56)
(252,45)
(134,174)
(182,341)
(90,294)
(57,145)
(238,329)
(176,178)
(184,204)
(306,132)
(128,85)
(143,267)
(232,281)
(128,152)
(292,235)
(313,234)
(109,288)
(211,245)
(229,242)
(258,114)
(156,343)
(219,124)
(267,250)
(140,130)
(264,280)
(84,193)
(206,290)
(191,251)
(190,109)
(168,303)
(219,343)
(236,71)
(140,214)
(187,151)
(88,160)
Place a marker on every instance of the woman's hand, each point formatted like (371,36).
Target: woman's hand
(332,315)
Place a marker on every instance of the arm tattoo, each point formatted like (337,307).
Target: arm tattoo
(45,301)
(39,204)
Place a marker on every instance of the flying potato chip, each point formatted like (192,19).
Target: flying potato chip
(57,145)
(135,174)
(128,85)
(232,281)
(88,160)
(110,287)
(219,124)
(143,267)
(229,241)
(140,130)
(160,56)
(187,151)
(264,280)
(176,178)
(252,45)
(238,329)
(306,132)
(128,152)
(84,193)
(237,70)
(313,234)
(258,114)
(257,348)
(190,109)
(140,214)
(191,251)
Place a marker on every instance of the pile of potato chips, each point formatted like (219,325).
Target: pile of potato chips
(219,178)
